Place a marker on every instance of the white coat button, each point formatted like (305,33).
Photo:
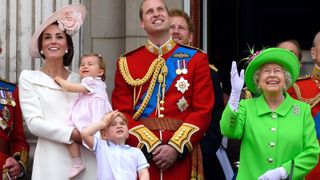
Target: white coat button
(272,144)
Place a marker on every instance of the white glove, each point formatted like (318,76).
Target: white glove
(274,174)
(236,86)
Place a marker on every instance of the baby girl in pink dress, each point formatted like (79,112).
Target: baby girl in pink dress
(91,105)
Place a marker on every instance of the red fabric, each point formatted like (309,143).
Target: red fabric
(199,97)
(309,89)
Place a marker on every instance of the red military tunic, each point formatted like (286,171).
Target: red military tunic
(192,117)
(12,138)
(307,89)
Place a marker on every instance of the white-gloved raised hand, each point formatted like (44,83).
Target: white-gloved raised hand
(274,174)
(236,86)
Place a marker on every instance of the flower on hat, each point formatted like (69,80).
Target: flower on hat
(70,22)
(252,54)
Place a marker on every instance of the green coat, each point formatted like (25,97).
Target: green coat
(272,139)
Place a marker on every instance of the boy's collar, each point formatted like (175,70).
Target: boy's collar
(111,143)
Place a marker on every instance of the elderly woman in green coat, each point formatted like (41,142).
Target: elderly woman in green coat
(277,132)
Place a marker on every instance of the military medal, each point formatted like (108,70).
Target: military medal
(10,99)
(5,113)
(3,124)
(182,85)
(182,104)
(178,66)
(181,63)
(184,67)
(3,99)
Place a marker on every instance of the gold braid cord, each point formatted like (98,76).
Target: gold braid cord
(311,101)
(153,72)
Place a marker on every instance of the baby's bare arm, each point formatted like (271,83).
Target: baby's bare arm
(70,87)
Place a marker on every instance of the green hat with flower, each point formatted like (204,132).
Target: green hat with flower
(280,56)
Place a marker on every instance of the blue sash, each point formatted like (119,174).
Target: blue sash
(317,124)
(171,64)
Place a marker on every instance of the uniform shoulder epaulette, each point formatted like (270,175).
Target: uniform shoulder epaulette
(188,46)
(7,82)
(213,67)
(131,51)
(304,77)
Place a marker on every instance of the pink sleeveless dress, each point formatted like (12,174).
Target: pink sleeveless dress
(90,106)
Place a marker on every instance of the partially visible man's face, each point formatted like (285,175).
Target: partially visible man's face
(315,50)
(155,16)
(179,30)
(315,54)
(290,46)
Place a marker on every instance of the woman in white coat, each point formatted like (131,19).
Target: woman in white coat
(45,105)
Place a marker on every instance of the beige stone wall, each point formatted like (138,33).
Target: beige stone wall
(113,28)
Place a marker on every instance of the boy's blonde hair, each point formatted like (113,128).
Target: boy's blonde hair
(121,115)
(102,64)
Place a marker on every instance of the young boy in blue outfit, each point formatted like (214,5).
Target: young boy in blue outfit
(115,159)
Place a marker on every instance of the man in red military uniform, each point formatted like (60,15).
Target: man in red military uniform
(165,90)
(13,145)
(307,89)
(182,29)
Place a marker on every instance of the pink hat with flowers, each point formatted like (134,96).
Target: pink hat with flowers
(69,18)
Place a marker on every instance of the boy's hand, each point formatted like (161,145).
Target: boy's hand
(110,116)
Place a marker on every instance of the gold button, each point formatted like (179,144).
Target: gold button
(161,108)
(161,116)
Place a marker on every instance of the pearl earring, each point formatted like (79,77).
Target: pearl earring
(66,51)
(41,52)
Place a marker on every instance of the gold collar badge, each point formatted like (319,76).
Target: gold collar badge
(163,49)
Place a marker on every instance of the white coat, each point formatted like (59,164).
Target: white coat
(45,107)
